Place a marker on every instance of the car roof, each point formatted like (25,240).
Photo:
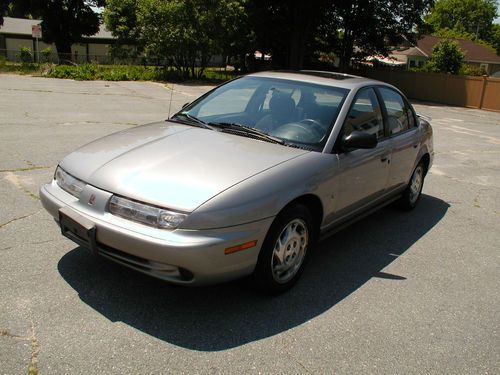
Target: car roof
(322,77)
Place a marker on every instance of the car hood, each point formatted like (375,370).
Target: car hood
(173,165)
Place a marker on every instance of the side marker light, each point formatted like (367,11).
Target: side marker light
(243,246)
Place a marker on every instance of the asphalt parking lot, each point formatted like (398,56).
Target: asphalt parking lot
(397,293)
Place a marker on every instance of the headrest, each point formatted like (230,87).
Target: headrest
(282,103)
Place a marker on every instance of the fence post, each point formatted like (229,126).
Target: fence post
(483,89)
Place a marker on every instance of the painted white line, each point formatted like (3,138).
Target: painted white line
(471,130)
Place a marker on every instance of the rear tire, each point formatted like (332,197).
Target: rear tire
(413,192)
(285,250)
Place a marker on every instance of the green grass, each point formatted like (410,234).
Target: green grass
(20,68)
(93,71)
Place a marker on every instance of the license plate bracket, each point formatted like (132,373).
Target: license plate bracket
(78,229)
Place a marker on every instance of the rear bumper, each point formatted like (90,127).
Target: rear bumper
(190,257)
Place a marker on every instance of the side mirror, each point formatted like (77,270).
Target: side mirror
(359,139)
(185,105)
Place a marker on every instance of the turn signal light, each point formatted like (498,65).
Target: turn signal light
(243,246)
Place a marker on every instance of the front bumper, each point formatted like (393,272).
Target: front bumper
(191,257)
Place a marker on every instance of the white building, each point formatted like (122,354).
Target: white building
(16,34)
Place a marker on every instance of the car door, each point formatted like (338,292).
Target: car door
(363,172)
(403,134)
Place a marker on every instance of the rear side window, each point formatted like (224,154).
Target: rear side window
(365,114)
(399,115)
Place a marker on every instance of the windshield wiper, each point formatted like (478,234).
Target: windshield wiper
(192,120)
(246,130)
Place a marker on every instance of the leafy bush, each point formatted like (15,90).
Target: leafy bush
(468,70)
(46,52)
(447,57)
(25,55)
(93,71)
(86,72)
(464,70)
(62,71)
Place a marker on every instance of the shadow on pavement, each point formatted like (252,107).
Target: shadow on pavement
(229,315)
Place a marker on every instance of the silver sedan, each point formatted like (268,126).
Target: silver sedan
(244,180)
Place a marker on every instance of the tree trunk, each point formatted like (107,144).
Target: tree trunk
(63,51)
(346,51)
(296,54)
(345,61)
(297,39)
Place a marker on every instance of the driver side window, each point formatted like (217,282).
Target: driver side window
(365,114)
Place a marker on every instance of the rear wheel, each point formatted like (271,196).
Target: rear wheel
(413,191)
(285,249)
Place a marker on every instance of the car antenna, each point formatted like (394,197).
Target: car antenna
(170,103)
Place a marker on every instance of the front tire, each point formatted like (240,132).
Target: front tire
(285,249)
(413,191)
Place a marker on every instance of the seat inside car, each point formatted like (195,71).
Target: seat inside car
(281,111)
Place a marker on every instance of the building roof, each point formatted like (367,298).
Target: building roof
(412,51)
(391,60)
(21,26)
(474,52)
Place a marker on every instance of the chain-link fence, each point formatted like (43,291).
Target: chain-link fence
(26,55)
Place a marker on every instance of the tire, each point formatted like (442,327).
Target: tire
(285,250)
(413,192)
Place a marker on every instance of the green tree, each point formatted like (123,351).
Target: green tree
(372,26)
(236,37)
(64,22)
(447,57)
(175,30)
(191,31)
(12,8)
(120,17)
(286,29)
(464,18)
(3,10)
(18,9)
(185,33)
(495,37)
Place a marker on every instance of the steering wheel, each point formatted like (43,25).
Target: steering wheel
(307,130)
(312,124)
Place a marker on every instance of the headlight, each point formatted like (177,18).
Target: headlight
(145,214)
(69,183)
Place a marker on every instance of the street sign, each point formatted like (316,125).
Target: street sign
(36,31)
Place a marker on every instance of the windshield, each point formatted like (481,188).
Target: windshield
(297,113)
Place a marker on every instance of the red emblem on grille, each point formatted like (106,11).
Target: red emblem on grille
(92,200)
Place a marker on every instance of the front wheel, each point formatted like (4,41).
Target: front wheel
(413,191)
(284,251)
